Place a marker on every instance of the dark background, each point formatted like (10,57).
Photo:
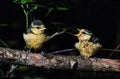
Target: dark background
(102,17)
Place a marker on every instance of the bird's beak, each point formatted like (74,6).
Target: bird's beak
(43,27)
(79,34)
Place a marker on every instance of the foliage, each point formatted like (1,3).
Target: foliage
(29,6)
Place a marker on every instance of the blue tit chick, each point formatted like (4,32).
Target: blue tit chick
(87,45)
(35,36)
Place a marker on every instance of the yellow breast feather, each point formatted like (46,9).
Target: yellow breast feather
(34,41)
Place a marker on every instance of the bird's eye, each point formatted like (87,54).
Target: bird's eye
(37,27)
(83,32)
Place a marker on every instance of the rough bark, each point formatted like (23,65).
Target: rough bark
(18,57)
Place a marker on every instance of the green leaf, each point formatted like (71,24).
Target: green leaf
(49,11)
(22,68)
(3,25)
(22,1)
(58,23)
(3,43)
(42,6)
(62,8)
(14,1)
(33,8)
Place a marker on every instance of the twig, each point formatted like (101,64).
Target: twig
(73,49)
(26,16)
(59,51)
(113,51)
(57,33)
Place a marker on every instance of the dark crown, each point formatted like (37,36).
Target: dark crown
(37,22)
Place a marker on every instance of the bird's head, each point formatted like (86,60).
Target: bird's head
(84,34)
(37,27)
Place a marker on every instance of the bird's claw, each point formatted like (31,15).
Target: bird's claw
(42,53)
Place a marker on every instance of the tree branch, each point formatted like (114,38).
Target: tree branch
(57,61)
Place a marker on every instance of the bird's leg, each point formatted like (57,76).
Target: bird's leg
(27,53)
(81,57)
(42,53)
(88,61)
